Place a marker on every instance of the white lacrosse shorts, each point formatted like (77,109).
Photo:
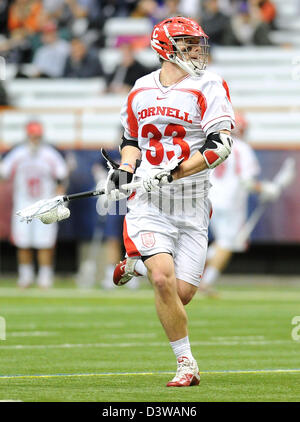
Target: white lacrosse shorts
(34,234)
(226,225)
(147,231)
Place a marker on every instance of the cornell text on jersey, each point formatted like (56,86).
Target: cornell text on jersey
(164,111)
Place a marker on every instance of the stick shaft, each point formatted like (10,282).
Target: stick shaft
(88,194)
(82,195)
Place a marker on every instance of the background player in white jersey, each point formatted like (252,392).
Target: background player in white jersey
(38,172)
(232,182)
(180,112)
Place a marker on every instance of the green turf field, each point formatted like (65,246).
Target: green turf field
(70,345)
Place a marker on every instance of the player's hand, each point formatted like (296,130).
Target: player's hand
(269,192)
(114,181)
(159,176)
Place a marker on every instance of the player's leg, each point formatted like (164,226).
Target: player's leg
(44,238)
(172,315)
(170,310)
(225,226)
(45,262)
(25,267)
(22,239)
(217,262)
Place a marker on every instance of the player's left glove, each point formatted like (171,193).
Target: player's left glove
(269,192)
(216,148)
(162,175)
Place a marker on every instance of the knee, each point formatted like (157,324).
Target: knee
(186,292)
(162,281)
(185,298)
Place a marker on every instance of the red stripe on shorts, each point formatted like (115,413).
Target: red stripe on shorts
(130,247)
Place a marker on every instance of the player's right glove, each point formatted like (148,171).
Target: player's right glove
(269,192)
(216,148)
(161,175)
(113,185)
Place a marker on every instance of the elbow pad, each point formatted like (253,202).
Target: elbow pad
(216,148)
(129,142)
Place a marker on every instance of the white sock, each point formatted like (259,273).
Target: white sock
(182,348)
(26,274)
(140,267)
(45,276)
(210,275)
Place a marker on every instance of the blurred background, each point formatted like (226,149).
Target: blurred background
(70,63)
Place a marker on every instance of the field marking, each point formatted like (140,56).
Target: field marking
(113,374)
(73,293)
(143,344)
(31,333)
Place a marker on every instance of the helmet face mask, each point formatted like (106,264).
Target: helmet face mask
(192,54)
(183,42)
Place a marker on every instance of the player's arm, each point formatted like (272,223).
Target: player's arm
(214,151)
(130,153)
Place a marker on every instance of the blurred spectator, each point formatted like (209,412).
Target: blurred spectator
(66,12)
(82,63)
(3,96)
(117,8)
(38,172)
(267,11)
(214,22)
(50,58)
(127,72)
(148,9)
(4,7)
(247,27)
(170,8)
(25,16)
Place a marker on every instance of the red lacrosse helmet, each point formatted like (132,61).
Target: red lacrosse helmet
(34,128)
(165,35)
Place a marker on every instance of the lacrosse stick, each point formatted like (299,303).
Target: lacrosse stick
(283,178)
(54,209)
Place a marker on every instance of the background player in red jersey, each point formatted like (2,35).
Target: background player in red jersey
(177,120)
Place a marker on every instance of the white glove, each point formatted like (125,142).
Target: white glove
(161,175)
(269,192)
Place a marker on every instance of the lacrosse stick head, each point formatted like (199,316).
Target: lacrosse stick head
(48,209)
(286,174)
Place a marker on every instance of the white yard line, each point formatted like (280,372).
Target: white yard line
(141,344)
(111,374)
(31,333)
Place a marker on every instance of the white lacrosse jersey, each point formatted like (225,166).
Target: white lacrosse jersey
(227,190)
(34,172)
(175,120)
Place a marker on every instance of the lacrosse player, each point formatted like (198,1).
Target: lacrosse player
(38,171)
(177,120)
(232,182)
